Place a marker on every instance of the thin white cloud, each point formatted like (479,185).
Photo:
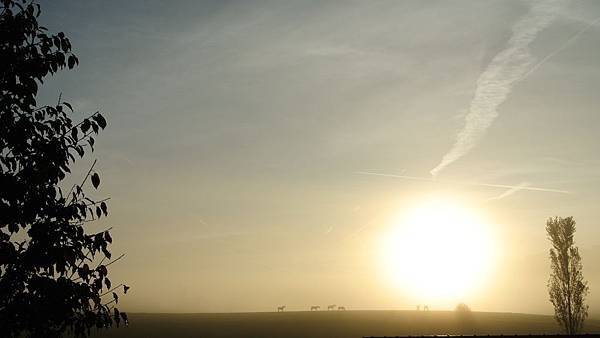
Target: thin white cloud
(511,191)
(489,185)
(496,82)
(562,47)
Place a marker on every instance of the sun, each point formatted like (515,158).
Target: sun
(439,251)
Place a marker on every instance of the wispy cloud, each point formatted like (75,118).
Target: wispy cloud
(496,82)
(562,47)
(511,191)
(521,186)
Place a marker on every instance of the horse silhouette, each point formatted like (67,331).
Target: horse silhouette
(341,308)
(281,308)
(331,307)
(315,308)
(425,307)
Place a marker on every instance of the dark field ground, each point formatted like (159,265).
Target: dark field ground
(335,324)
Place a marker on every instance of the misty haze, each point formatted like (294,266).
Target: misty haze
(299,168)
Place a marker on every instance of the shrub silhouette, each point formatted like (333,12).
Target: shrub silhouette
(464,318)
(51,276)
(462,308)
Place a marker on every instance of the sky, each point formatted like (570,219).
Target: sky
(240,134)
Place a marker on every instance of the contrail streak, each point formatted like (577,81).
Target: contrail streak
(510,191)
(496,82)
(428,179)
(562,47)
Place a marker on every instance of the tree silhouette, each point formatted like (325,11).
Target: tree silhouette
(464,318)
(566,285)
(462,308)
(53,273)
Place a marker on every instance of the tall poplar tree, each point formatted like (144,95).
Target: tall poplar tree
(566,286)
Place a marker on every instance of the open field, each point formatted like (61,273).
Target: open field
(335,324)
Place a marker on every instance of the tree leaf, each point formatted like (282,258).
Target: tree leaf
(106,252)
(102,270)
(107,237)
(104,209)
(101,121)
(85,125)
(95,180)
(80,151)
(71,61)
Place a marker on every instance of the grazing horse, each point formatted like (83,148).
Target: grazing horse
(315,308)
(425,307)
(331,307)
(281,308)
(341,308)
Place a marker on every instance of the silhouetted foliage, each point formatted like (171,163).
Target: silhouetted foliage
(464,318)
(462,308)
(53,274)
(566,285)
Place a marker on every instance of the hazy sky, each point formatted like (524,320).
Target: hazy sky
(236,131)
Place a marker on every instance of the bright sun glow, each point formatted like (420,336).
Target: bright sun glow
(439,251)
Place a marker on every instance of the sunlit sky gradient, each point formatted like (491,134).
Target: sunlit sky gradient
(236,131)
